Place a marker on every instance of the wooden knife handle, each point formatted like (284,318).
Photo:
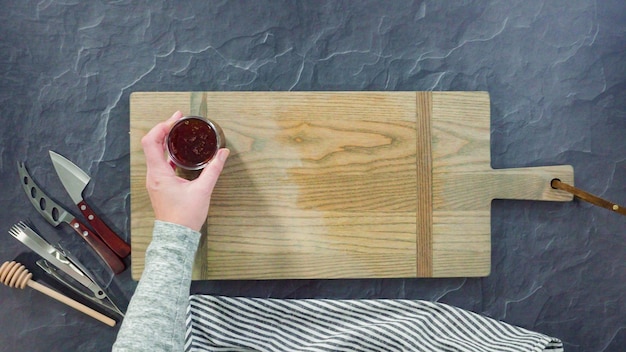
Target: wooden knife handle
(110,238)
(112,260)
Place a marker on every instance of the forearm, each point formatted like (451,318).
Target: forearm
(155,319)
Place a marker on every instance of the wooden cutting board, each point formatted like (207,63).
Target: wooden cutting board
(342,184)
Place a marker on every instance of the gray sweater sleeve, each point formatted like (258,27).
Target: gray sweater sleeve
(155,320)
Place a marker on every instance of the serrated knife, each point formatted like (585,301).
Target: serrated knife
(56,214)
(75,180)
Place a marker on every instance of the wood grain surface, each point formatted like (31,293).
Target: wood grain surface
(342,184)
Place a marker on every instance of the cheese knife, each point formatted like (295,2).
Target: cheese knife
(75,180)
(56,214)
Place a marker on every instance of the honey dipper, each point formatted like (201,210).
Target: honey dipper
(16,275)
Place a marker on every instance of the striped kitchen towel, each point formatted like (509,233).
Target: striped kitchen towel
(257,324)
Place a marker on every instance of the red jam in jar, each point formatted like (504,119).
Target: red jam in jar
(193,141)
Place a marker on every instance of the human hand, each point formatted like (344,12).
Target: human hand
(175,199)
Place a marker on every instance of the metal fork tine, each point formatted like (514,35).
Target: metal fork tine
(15,231)
(18,228)
(23,228)
(24,225)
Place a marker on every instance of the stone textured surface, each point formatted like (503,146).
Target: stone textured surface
(556,72)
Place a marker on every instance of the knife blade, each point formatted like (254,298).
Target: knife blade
(56,214)
(75,181)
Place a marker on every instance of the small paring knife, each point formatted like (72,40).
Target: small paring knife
(75,181)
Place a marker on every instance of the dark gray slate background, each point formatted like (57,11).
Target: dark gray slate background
(555,70)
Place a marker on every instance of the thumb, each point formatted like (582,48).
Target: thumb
(212,172)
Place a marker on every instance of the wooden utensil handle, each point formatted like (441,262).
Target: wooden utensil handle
(72,303)
(110,238)
(112,260)
(588,197)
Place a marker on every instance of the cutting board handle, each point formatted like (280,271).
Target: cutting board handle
(477,189)
(532,183)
